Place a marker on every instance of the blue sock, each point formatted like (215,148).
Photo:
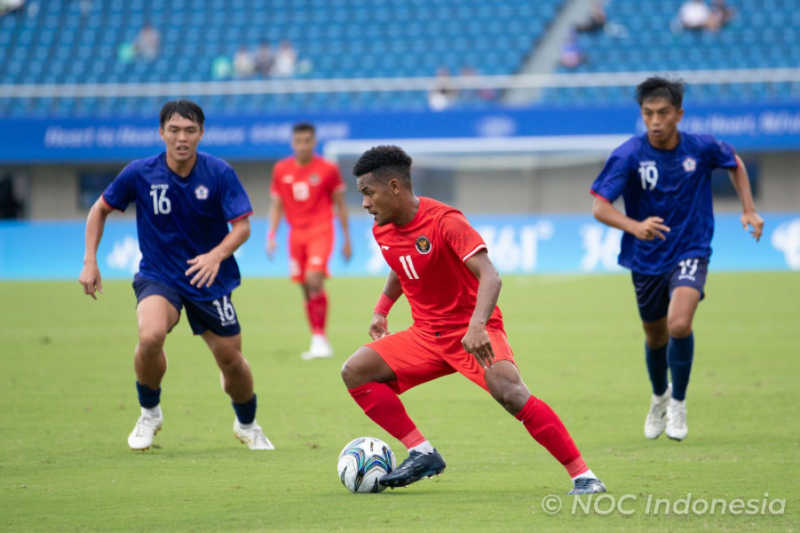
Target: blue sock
(246,412)
(656,359)
(148,398)
(680,353)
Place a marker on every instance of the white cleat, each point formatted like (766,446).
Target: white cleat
(656,420)
(252,435)
(677,429)
(141,438)
(320,347)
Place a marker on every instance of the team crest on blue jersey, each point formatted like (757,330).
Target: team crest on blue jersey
(423,245)
(201,192)
(313,179)
(689,164)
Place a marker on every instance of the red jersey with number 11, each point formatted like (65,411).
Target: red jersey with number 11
(428,256)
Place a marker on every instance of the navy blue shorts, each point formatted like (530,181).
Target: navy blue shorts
(654,292)
(217,315)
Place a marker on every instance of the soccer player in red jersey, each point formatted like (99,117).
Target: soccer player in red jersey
(442,266)
(305,186)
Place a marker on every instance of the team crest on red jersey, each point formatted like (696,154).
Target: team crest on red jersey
(313,179)
(288,178)
(423,245)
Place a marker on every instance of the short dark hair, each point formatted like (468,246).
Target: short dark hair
(657,87)
(304,126)
(385,163)
(184,108)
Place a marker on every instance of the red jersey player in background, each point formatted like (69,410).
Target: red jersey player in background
(442,266)
(305,186)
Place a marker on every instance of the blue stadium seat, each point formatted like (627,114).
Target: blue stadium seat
(356,38)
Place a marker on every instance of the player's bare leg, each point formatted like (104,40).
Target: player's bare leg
(155,317)
(656,339)
(317,308)
(365,366)
(506,386)
(680,354)
(238,384)
(366,374)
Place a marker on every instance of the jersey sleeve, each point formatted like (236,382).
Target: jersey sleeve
(274,192)
(460,236)
(235,202)
(121,191)
(721,154)
(611,181)
(336,183)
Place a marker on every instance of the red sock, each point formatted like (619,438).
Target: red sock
(317,311)
(544,425)
(384,407)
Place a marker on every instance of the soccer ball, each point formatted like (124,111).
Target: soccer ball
(363,462)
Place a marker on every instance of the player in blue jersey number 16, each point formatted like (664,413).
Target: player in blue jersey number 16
(664,177)
(185,200)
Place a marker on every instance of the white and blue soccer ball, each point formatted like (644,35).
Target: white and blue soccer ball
(363,462)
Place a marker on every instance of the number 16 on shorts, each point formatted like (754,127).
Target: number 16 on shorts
(225,310)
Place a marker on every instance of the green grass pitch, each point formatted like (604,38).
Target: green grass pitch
(68,403)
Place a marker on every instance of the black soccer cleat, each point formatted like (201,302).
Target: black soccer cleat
(415,467)
(587,485)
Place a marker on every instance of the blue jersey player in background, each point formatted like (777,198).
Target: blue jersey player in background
(664,177)
(184,200)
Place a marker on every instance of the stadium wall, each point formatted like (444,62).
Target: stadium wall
(518,244)
(53,192)
(56,157)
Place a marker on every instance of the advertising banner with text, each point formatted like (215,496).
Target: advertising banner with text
(518,244)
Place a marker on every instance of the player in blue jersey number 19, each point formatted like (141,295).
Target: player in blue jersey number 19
(664,177)
(185,200)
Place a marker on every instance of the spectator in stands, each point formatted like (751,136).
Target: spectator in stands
(9,6)
(571,52)
(243,63)
(720,15)
(694,15)
(485,93)
(442,95)
(285,60)
(148,42)
(596,20)
(263,59)
(221,67)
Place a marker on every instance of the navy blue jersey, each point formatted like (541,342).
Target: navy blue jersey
(672,184)
(179,218)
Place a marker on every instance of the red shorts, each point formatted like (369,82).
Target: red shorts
(309,251)
(416,356)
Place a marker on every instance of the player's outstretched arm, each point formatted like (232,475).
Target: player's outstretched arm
(95,224)
(205,267)
(275,214)
(741,182)
(341,211)
(379,326)
(476,341)
(646,230)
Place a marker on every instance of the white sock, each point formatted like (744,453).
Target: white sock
(588,474)
(247,426)
(152,412)
(422,447)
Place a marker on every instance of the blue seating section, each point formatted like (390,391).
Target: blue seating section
(762,34)
(58,43)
